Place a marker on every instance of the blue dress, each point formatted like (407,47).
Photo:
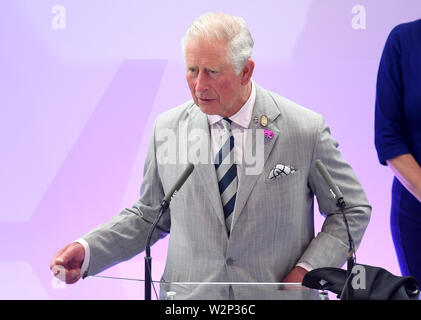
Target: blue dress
(398,131)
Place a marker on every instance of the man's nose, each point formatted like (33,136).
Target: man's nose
(201,83)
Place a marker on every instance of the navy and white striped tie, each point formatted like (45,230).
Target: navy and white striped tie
(226,171)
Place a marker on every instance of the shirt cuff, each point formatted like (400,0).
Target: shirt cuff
(85,264)
(305,265)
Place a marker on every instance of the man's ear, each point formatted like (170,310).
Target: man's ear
(247,72)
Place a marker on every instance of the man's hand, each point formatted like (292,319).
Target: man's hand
(67,263)
(296,275)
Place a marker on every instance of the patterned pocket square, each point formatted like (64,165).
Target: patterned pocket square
(281,170)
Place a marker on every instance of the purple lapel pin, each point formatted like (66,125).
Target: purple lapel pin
(268,134)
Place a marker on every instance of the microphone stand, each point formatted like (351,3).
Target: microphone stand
(340,203)
(164,206)
(148,258)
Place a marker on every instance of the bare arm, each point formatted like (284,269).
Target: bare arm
(408,172)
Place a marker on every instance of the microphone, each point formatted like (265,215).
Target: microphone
(164,205)
(186,173)
(340,202)
(333,188)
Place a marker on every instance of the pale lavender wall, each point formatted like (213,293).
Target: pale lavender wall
(77,107)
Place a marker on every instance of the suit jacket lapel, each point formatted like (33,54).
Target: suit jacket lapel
(264,105)
(206,171)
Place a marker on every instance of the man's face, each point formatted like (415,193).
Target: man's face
(212,80)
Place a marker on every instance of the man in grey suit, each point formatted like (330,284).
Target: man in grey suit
(246,212)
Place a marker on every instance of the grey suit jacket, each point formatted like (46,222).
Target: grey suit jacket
(272,228)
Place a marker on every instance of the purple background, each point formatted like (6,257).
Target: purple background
(77,107)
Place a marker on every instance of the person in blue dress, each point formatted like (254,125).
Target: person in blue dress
(398,138)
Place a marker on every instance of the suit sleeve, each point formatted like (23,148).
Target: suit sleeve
(125,235)
(330,246)
(390,125)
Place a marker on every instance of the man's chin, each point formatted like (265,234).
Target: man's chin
(209,110)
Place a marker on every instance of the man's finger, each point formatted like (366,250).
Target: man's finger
(73,275)
(59,272)
(66,256)
(58,257)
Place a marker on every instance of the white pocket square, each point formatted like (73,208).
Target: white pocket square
(281,170)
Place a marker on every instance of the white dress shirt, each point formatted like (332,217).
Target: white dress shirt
(239,125)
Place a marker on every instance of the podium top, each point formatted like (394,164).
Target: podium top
(236,291)
(227,290)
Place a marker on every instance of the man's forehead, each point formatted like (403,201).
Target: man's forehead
(205,52)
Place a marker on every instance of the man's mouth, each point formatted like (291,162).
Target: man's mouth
(205,100)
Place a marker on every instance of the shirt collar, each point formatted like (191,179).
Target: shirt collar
(243,116)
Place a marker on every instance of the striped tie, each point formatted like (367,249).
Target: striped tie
(226,171)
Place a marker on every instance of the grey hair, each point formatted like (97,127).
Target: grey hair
(224,27)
